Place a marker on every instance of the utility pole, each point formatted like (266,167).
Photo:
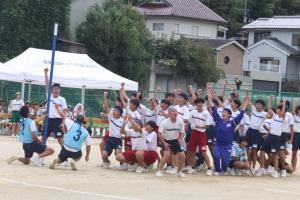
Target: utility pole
(245,12)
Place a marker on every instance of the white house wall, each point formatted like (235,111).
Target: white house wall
(293,69)
(206,29)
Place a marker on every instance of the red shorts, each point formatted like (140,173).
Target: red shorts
(150,157)
(129,156)
(127,141)
(197,139)
(105,136)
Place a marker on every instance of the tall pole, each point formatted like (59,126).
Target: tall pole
(245,12)
(50,82)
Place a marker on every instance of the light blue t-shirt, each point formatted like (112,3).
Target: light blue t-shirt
(76,136)
(27,127)
(239,152)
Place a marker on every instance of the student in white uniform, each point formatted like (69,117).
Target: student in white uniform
(16,105)
(169,134)
(296,138)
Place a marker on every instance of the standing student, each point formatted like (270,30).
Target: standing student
(57,111)
(169,134)
(235,106)
(199,122)
(296,138)
(75,137)
(28,135)
(16,105)
(224,134)
(170,97)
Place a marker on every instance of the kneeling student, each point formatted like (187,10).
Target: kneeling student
(76,136)
(31,143)
(239,161)
(138,141)
(148,157)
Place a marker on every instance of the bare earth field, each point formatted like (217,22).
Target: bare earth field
(92,183)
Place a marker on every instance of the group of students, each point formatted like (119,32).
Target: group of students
(184,127)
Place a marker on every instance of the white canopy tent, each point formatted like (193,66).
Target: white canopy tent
(70,70)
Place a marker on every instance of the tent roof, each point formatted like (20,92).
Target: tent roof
(70,70)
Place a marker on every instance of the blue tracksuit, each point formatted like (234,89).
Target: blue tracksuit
(224,138)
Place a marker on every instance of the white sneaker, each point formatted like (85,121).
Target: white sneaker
(260,172)
(181,175)
(65,164)
(200,167)
(11,159)
(187,168)
(209,172)
(270,170)
(191,171)
(159,174)
(42,161)
(53,164)
(106,164)
(150,167)
(238,172)
(36,161)
(275,174)
(247,172)
(172,171)
(73,166)
(124,166)
(216,173)
(168,167)
(140,169)
(283,173)
(132,168)
(232,172)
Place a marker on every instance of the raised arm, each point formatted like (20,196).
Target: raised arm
(295,103)
(214,111)
(239,118)
(105,103)
(270,103)
(192,92)
(123,95)
(224,89)
(46,81)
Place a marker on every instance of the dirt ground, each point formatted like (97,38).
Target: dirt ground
(93,183)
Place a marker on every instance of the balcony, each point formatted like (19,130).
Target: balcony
(260,67)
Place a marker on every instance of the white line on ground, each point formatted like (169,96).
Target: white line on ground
(267,189)
(68,190)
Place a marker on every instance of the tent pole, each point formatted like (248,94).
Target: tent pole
(83,96)
(29,91)
(23,90)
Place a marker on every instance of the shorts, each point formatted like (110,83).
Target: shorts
(129,156)
(296,142)
(104,138)
(65,154)
(54,127)
(150,157)
(249,134)
(283,140)
(33,147)
(257,140)
(15,118)
(272,144)
(111,144)
(197,139)
(211,132)
(174,146)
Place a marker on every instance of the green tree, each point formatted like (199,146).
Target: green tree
(117,38)
(189,59)
(29,23)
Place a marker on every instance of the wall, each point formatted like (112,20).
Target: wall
(293,69)
(235,66)
(79,9)
(206,29)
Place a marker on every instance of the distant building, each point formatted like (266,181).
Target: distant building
(273,52)
(175,18)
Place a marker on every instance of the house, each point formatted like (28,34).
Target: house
(175,18)
(273,52)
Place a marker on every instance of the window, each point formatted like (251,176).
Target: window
(258,36)
(296,40)
(159,27)
(269,64)
(195,30)
(176,28)
(226,60)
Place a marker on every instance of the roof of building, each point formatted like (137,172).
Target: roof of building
(219,44)
(277,44)
(276,22)
(180,8)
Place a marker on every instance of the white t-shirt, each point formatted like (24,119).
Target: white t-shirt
(199,119)
(246,123)
(220,110)
(142,111)
(160,115)
(297,123)
(170,130)
(16,105)
(151,139)
(183,112)
(276,125)
(191,107)
(32,126)
(134,114)
(61,101)
(267,124)
(288,121)
(227,104)
(150,115)
(138,139)
(257,118)
(114,125)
